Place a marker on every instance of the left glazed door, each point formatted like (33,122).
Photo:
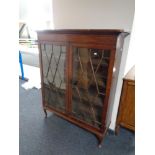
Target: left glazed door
(54,80)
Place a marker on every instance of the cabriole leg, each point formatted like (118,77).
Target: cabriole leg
(45,113)
(100,138)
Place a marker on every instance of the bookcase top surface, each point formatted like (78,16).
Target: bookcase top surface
(84,31)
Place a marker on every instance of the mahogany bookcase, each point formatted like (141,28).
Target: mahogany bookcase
(76,74)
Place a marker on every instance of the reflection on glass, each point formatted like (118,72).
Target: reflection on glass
(53,59)
(90,69)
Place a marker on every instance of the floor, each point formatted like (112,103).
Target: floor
(55,136)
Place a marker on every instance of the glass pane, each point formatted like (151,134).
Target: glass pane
(90,69)
(53,59)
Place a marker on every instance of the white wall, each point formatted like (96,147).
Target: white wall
(99,14)
(93,13)
(36,13)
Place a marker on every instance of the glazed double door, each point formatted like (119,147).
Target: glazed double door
(75,79)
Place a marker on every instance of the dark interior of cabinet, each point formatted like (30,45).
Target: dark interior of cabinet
(90,69)
(54,77)
(88,81)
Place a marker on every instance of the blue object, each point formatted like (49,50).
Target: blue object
(21,65)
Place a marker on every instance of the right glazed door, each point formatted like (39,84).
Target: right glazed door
(89,83)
